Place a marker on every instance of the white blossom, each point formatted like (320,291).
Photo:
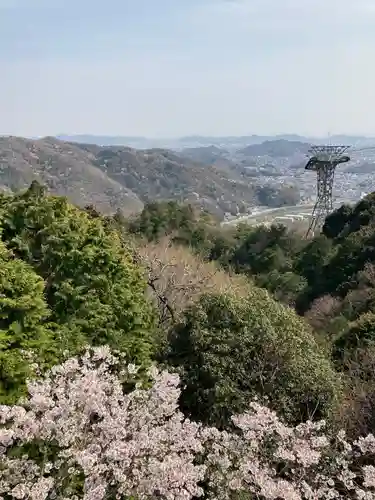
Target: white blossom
(96,442)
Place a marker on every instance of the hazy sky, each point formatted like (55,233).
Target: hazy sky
(166,68)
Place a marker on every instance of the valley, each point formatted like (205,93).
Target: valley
(257,182)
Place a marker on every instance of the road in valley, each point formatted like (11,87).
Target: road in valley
(263,214)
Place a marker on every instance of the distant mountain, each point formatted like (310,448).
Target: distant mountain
(363,168)
(113,177)
(243,141)
(66,169)
(239,141)
(212,155)
(356,141)
(159,174)
(279,148)
(188,142)
(102,140)
(205,154)
(226,142)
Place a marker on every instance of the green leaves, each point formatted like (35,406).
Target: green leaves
(23,322)
(69,281)
(231,350)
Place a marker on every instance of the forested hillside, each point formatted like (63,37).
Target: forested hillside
(65,169)
(162,356)
(329,281)
(118,177)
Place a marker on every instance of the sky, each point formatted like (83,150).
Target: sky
(169,68)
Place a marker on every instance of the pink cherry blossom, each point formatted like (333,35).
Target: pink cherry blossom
(79,434)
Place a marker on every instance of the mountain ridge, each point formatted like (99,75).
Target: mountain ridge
(120,177)
(237,142)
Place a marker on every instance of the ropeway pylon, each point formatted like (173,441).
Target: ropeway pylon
(324,161)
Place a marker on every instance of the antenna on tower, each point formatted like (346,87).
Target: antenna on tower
(324,161)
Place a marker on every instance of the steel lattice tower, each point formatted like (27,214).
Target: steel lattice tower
(324,161)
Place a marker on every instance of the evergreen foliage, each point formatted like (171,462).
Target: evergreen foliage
(183,223)
(71,277)
(234,349)
(83,277)
(359,335)
(23,324)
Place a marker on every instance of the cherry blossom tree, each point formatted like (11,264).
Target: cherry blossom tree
(99,429)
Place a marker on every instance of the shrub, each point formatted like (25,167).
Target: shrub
(359,335)
(285,287)
(357,413)
(230,350)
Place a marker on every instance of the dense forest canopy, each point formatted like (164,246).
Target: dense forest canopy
(240,314)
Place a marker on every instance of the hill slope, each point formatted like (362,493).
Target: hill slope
(277,148)
(159,174)
(207,154)
(112,177)
(66,169)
